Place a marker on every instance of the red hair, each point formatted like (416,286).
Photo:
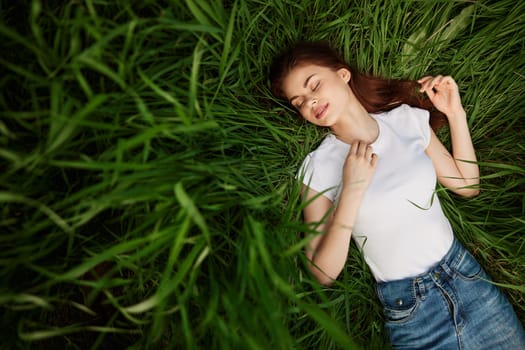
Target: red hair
(376,94)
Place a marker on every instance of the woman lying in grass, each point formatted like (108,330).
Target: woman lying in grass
(373,179)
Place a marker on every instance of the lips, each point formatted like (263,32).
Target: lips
(320,111)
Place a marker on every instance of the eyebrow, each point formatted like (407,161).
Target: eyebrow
(304,86)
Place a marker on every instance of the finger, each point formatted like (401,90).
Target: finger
(444,83)
(432,86)
(369,152)
(373,161)
(353,148)
(429,83)
(423,82)
(432,83)
(448,80)
(430,80)
(363,150)
(430,92)
(423,79)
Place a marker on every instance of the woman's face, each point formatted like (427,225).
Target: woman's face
(320,94)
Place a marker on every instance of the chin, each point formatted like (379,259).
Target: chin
(325,121)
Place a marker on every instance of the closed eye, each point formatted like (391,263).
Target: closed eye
(299,105)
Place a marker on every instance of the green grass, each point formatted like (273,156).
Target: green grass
(147,190)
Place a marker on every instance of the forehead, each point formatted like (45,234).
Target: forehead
(296,78)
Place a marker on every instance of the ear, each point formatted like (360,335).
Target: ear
(345,74)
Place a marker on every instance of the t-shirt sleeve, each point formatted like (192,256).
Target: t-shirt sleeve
(423,118)
(321,171)
(415,123)
(306,170)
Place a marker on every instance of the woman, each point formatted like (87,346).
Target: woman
(373,179)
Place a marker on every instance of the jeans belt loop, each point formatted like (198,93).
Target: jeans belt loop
(420,288)
(446,268)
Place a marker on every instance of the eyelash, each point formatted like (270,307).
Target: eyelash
(316,86)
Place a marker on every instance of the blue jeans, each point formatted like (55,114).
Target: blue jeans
(452,306)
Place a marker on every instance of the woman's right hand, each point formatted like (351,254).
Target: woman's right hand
(359,167)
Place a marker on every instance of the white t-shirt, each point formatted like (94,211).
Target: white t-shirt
(400,226)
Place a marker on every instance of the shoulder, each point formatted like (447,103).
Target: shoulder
(408,121)
(329,152)
(321,169)
(405,114)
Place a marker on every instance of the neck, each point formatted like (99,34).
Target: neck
(358,125)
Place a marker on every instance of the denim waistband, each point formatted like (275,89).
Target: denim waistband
(444,269)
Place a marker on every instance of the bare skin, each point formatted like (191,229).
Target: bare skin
(324,98)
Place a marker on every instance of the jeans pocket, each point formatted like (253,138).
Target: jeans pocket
(398,315)
(468,268)
(399,303)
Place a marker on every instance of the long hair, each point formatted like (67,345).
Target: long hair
(376,94)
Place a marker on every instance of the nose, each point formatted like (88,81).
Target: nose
(313,101)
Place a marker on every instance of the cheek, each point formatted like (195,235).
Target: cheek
(302,113)
(342,92)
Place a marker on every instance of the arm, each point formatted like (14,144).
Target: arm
(458,172)
(328,250)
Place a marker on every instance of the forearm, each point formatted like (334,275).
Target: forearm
(458,171)
(330,251)
(331,254)
(463,149)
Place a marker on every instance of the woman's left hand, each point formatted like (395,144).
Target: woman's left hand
(444,94)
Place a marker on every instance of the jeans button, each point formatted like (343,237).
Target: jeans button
(436,275)
(399,302)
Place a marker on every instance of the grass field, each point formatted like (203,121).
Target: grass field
(147,190)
